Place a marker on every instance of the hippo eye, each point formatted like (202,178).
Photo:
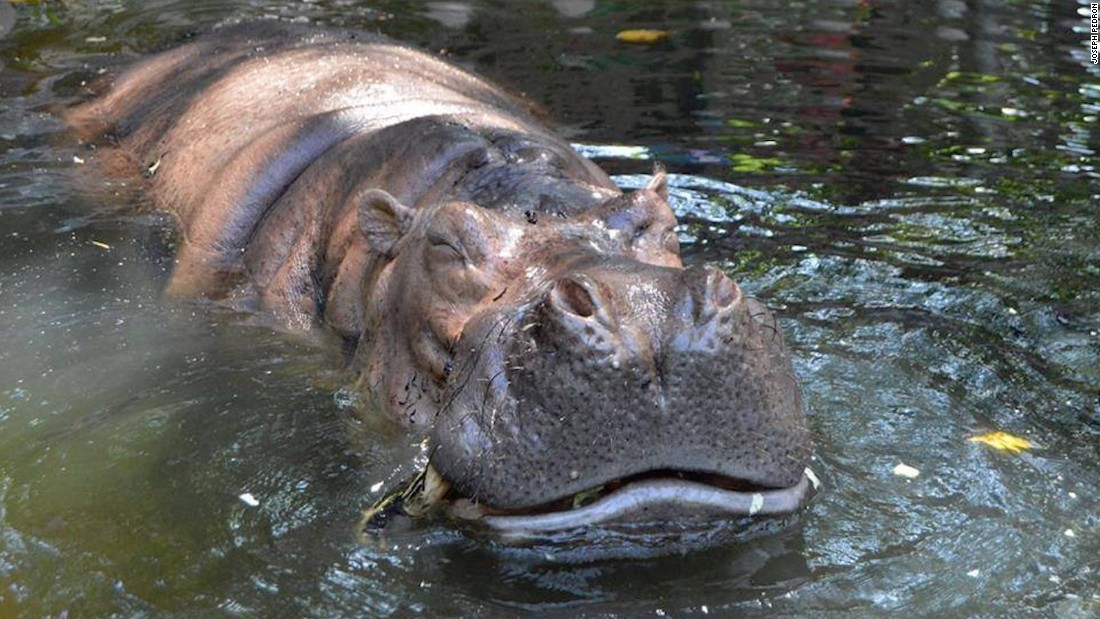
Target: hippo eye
(446,247)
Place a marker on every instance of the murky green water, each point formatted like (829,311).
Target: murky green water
(912,185)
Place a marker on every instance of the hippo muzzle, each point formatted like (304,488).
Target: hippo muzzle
(620,393)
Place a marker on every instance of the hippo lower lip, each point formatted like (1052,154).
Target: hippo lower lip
(640,500)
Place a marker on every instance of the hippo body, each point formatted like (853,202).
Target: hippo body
(497,288)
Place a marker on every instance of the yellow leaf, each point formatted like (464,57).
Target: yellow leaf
(1002,441)
(641,36)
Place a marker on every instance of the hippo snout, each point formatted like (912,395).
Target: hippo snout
(613,306)
(622,373)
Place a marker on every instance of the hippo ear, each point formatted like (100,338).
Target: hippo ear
(636,211)
(383,220)
(659,183)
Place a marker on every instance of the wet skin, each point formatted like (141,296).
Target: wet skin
(498,290)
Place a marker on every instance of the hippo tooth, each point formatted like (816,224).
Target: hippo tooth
(813,478)
(757,504)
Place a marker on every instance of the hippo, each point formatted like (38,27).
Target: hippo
(494,290)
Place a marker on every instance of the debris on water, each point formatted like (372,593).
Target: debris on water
(249,500)
(412,499)
(1002,441)
(587,496)
(641,37)
(906,471)
(345,398)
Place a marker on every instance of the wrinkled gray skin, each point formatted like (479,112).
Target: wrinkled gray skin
(495,286)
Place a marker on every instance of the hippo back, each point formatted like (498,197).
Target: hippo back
(225,125)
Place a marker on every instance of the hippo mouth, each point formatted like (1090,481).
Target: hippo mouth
(648,501)
(641,505)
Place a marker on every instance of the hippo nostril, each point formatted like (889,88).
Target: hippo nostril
(573,297)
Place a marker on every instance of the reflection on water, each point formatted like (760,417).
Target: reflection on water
(913,188)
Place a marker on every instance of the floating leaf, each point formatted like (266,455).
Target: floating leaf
(744,162)
(1002,441)
(643,37)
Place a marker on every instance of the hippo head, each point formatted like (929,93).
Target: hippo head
(574,373)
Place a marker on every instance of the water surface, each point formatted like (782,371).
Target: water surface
(911,185)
